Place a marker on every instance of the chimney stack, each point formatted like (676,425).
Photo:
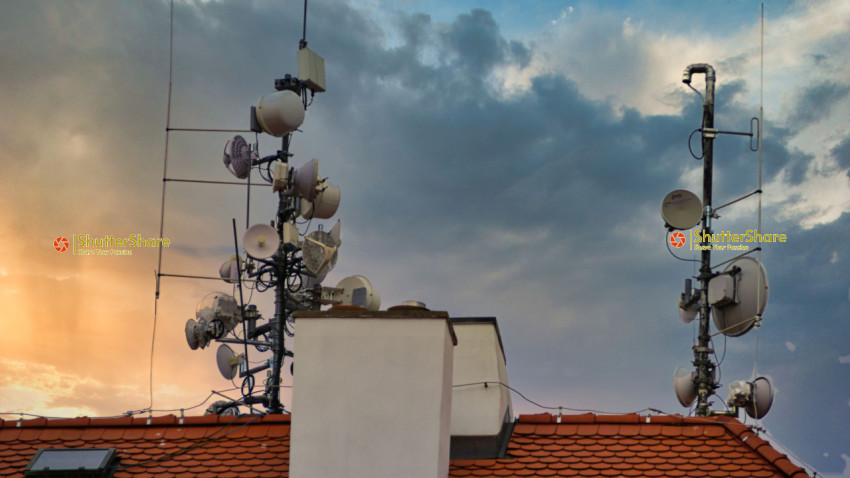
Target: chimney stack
(372,394)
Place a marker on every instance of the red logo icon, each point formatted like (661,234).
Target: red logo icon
(60,244)
(677,239)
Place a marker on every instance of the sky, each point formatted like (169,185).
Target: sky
(498,158)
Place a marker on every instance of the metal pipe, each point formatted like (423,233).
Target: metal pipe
(702,359)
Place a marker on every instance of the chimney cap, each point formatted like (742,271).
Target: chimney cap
(409,305)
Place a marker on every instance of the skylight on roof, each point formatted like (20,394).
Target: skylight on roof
(72,462)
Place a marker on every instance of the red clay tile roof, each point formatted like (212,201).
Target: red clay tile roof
(580,445)
(200,446)
(632,445)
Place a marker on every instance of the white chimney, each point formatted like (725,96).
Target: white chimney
(481,401)
(372,394)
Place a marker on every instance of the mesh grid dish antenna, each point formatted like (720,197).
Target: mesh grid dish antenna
(261,241)
(738,298)
(681,209)
(320,250)
(238,157)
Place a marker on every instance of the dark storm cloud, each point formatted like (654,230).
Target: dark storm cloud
(815,102)
(539,206)
(841,154)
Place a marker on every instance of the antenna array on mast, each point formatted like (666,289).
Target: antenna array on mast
(736,297)
(273,255)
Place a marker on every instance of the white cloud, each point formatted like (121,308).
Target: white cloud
(637,67)
(790,346)
(844,359)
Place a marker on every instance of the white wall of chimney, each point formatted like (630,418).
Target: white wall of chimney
(478,410)
(372,396)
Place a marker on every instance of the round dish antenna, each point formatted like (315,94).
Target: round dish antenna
(192,335)
(358,291)
(681,209)
(306,178)
(229,272)
(738,296)
(227,361)
(261,241)
(324,205)
(756,397)
(684,386)
(238,157)
(280,112)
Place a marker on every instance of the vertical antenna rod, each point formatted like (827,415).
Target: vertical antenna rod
(702,350)
(303,42)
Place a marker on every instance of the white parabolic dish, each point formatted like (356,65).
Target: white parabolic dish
(681,209)
(751,291)
(261,241)
(227,361)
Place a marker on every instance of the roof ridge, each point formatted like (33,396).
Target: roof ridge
(130,421)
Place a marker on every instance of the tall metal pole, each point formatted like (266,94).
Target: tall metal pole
(280,313)
(702,351)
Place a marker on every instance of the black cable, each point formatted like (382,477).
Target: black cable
(197,444)
(667,241)
(690,140)
(544,406)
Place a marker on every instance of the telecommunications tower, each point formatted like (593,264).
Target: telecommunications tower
(274,256)
(734,297)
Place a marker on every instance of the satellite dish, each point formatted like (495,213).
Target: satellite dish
(319,252)
(358,291)
(191,334)
(683,385)
(229,272)
(228,362)
(688,314)
(261,241)
(761,398)
(740,298)
(280,112)
(238,157)
(681,209)
(202,336)
(756,397)
(306,178)
(324,206)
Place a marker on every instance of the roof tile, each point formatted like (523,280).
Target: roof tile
(537,418)
(581,445)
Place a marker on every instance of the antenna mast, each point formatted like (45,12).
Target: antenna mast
(735,297)
(702,350)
